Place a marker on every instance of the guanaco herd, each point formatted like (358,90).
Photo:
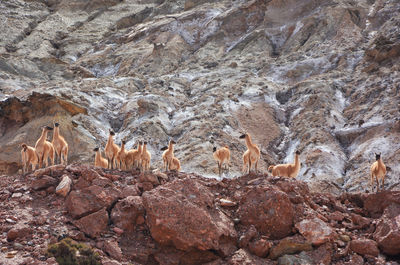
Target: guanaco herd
(120,158)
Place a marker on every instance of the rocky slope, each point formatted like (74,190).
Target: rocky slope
(179,218)
(318,76)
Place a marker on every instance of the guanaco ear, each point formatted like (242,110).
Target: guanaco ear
(164,148)
(214,149)
(242,136)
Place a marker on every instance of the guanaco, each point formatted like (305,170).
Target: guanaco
(111,151)
(145,157)
(175,164)
(168,154)
(29,157)
(222,156)
(60,145)
(378,171)
(121,156)
(44,148)
(99,161)
(287,170)
(133,158)
(253,154)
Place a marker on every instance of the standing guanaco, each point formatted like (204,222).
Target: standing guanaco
(44,148)
(175,164)
(111,151)
(29,156)
(60,145)
(252,155)
(146,156)
(222,156)
(168,154)
(133,158)
(378,171)
(99,161)
(121,156)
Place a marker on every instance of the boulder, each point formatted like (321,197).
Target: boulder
(130,190)
(289,246)
(112,248)
(315,230)
(88,200)
(19,231)
(387,232)
(182,213)
(260,247)
(126,212)
(93,224)
(243,257)
(376,203)
(65,186)
(269,210)
(365,247)
(43,182)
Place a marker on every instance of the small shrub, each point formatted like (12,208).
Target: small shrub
(70,252)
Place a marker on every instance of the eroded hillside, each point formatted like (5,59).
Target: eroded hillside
(318,76)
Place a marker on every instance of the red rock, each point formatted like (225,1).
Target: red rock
(365,247)
(243,257)
(182,213)
(19,231)
(336,216)
(88,200)
(355,260)
(130,190)
(289,245)
(101,181)
(387,232)
(43,182)
(260,247)
(118,231)
(93,224)
(322,255)
(269,210)
(149,177)
(126,212)
(146,186)
(89,174)
(315,231)
(359,221)
(112,249)
(246,237)
(376,203)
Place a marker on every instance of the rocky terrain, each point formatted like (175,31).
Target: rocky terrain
(318,76)
(179,218)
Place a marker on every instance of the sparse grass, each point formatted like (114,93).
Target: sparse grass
(70,252)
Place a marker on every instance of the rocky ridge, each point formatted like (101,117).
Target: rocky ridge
(179,218)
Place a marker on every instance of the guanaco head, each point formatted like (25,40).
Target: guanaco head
(145,143)
(48,128)
(164,148)
(56,124)
(172,142)
(214,149)
(24,146)
(297,152)
(377,156)
(243,136)
(96,149)
(123,142)
(112,132)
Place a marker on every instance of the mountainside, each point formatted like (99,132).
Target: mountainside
(322,77)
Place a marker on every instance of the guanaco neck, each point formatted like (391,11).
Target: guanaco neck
(144,150)
(56,132)
(296,161)
(110,141)
(122,148)
(171,148)
(249,143)
(98,156)
(43,137)
(380,163)
(140,149)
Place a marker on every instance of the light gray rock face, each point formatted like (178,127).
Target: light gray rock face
(318,76)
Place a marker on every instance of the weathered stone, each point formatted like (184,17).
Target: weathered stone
(315,230)
(112,249)
(182,213)
(289,246)
(126,212)
(243,257)
(65,186)
(387,232)
(365,247)
(43,182)
(269,210)
(93,224)
(260,247)
(376,203)
(19,231)
(246,237)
